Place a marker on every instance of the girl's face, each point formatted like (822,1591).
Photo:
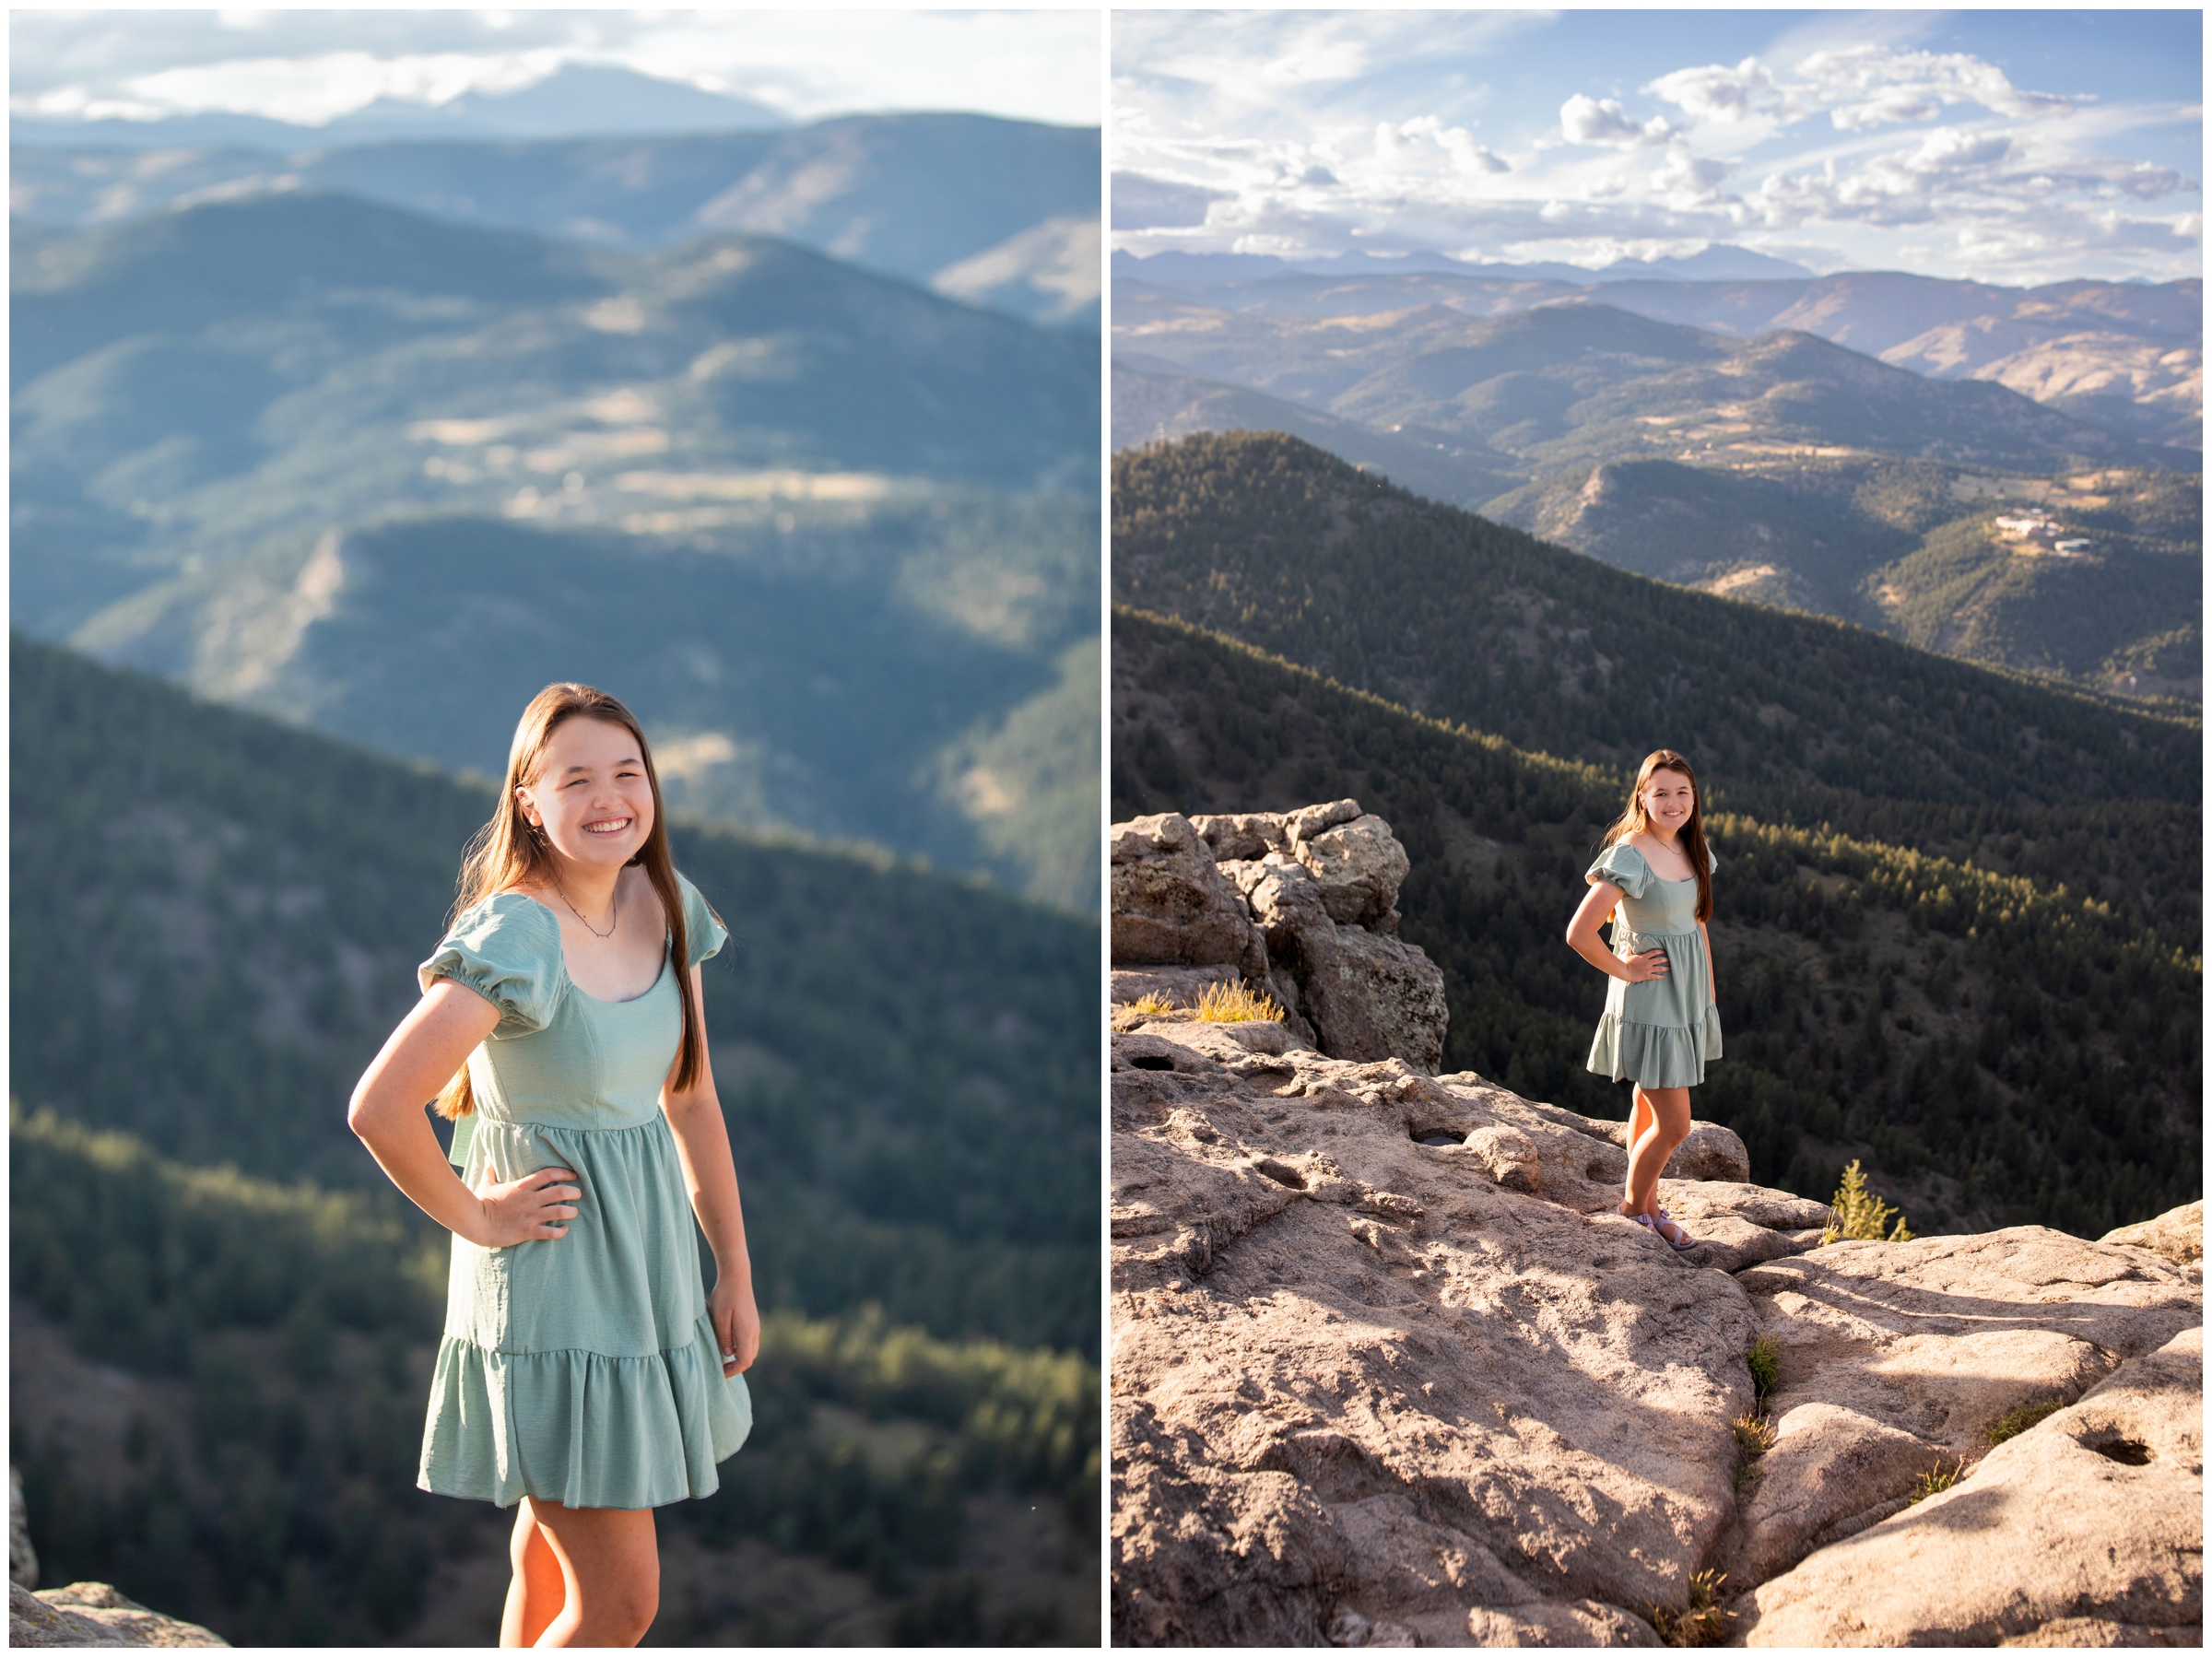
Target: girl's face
(1668,800)
(591,796)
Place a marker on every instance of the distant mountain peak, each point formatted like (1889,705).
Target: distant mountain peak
(576,100)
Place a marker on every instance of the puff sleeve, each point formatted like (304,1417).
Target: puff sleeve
(704,933)
(507,950)
(1622,865)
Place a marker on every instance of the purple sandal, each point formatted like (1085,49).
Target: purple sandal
(1660,1224)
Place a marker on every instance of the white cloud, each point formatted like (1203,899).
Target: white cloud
(1586,120)
(1722,96)
(1864,87)
(1467,157)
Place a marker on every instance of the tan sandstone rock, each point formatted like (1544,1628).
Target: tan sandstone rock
(2179,1234)
(1897,1357)
(92,1614)
(1369,1391)
(2085,1530)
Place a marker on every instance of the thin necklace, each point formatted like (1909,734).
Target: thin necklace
(614,910)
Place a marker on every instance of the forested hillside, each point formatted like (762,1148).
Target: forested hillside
(275,1343)
(1792,719)
(215,924)
(1998,1049)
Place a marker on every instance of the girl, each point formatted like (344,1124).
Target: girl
(584,1374)
(1661,1023)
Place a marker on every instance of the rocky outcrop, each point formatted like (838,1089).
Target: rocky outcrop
(1171,905)
(1369,1389)
(1315,891)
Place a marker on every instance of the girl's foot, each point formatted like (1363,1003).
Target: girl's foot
(1669,1232)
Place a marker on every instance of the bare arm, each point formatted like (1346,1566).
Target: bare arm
(1584,939)
(1712,984)
(433,1042)
(702,1145)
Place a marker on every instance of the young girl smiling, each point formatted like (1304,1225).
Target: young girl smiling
(584,1376)
(1661,1022)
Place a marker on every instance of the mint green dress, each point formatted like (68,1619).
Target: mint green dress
(581,1369)
(1662,1033)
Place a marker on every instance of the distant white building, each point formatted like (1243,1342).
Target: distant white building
(2073,549)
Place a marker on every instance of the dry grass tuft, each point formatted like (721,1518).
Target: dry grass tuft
(1234,1004)
(1704,1624)
(1151,1002)
(1937,1479)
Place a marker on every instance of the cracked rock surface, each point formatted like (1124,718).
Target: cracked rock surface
(1373,1392)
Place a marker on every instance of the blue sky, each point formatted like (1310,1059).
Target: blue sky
(311,66)
(2009,146)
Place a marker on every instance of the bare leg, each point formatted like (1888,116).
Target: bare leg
(1640,1116)
(1669,1126)
(538,1591)
(610,1569)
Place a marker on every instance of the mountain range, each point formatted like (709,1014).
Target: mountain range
(1715,262)
(318,455)
(599,99)
(989,211)
(1847,445)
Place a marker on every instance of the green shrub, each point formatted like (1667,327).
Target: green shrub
(1765,1360)
(1860,1215)
(2013,1423)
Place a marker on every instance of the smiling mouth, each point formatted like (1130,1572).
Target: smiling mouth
(615,826)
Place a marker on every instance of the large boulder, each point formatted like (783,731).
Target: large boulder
(1389,1368)
(1368,994)
(1173,906)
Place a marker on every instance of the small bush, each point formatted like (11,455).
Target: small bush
(1860,1214)
(1151,1002)
(1704,1624)
(1765,1360)
(1234,1004)
(1937,1479)
(2013,1423)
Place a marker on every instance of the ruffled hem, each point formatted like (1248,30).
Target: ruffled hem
(581,1429)
(1655,1055)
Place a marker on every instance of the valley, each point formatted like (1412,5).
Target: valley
(316,455)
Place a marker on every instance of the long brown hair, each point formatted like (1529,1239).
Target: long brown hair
(508,851)
(1636,820)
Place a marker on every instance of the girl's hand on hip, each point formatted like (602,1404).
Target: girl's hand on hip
(1643,969)
(534,1209)
(736,1324)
